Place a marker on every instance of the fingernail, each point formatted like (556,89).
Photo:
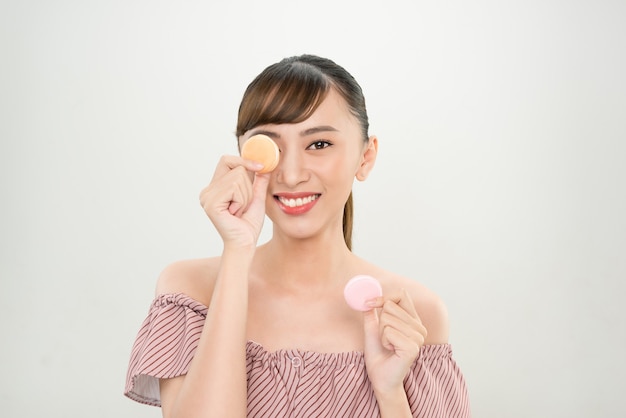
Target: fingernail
(372,303)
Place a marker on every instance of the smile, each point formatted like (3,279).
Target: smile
(300,201)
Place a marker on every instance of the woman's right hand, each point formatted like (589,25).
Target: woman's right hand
(234,200)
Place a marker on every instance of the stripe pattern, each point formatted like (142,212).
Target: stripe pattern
(289,383)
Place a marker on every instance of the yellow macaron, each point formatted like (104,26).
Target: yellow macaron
(262,149)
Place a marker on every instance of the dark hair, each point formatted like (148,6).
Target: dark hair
(291,90)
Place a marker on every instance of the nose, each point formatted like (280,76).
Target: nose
(291,169)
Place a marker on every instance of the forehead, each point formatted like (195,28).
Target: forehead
(333,106)
(333,112)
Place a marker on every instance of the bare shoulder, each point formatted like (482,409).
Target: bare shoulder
(429,306)
(193,277)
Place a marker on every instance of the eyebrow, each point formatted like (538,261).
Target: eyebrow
(306,132)
(318,129)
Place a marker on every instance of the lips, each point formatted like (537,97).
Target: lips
(296,204)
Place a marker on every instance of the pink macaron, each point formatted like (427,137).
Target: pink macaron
(359,290)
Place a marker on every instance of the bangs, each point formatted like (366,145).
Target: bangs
(286,92)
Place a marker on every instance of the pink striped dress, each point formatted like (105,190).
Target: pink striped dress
(289,383)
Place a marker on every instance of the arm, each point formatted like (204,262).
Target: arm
(215,384)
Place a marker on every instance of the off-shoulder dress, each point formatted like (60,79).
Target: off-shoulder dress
(289,383)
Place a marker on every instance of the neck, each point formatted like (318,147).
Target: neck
(307,263)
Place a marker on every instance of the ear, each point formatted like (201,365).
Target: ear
(368,159)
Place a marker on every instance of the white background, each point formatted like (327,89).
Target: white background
(499,184)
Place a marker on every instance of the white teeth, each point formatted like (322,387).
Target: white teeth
(292,203)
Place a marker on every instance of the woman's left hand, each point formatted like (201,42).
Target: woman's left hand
(394,335)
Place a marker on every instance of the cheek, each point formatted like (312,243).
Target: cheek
(339,175)
(344,166)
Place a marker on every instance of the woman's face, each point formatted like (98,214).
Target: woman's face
(319,159)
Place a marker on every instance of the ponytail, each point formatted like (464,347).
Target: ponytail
(348,216)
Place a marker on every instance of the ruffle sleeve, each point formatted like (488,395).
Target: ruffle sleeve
(165,345)
(435,386)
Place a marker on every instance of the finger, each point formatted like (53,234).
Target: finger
(234,188)
(409,327)
(401,344)
(371,331)
(375,303)
(404,300)
(393,309)
(230,162)
(261,182)
(241,197)
(258,196)
(395,316)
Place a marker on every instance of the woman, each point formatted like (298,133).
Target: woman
(264,331)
